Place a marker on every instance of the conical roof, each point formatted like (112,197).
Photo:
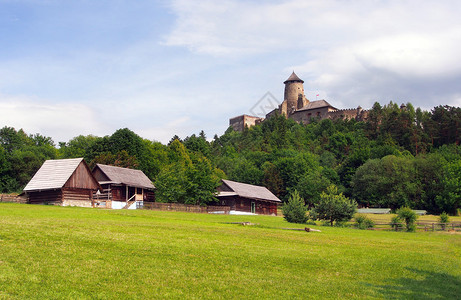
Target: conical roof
(293,77)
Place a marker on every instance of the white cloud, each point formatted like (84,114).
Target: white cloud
(355,52)
(59,121)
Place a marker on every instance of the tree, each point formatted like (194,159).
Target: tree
(120,159)
(444,219)
(387,182)
(409,217)
(294,210)
(334,206)
(449,198)
(171,184)
(189,178)
(79,146)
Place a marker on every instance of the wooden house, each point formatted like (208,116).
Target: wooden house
(123,187)
(248,198)
(66,182)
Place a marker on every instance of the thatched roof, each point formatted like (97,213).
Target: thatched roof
(248,191)
(53,174)
(130,177)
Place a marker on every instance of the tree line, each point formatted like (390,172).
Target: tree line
(400,156)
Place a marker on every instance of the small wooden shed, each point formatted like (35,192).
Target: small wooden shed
(243,197)
(123,186)
(66,182)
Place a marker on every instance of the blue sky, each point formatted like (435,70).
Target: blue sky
(163,68)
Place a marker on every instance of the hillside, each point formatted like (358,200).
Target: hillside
(399,156)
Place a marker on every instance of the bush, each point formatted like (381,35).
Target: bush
(409,217)
(334,206)
(294,211)
(363,222)
(396,223)
(444,219)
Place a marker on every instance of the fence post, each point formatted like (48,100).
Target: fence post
(433,227)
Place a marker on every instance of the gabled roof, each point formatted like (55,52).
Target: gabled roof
(293,77)
(316,104)
(130,177)
(248,191)
(53,174)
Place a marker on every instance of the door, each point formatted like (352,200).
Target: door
(253,207)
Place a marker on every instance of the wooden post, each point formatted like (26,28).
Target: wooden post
(433,227)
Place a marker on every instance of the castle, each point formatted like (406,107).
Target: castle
(297,107)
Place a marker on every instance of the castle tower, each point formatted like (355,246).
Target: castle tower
(294,94)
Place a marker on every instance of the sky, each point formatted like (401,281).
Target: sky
(165,68)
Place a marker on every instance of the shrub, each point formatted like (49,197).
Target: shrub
(334,206)
(444,219)
(409,217)
(294,211)
(363,222)
(396,223)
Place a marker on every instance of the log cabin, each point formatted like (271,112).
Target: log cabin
(65,182)
(247,198)
(123,187)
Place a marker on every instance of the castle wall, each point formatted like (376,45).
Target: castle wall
(239,123)
(349,114)
(305,116)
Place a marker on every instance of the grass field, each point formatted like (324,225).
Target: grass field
(60,252)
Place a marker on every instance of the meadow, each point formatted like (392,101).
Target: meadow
(76,253)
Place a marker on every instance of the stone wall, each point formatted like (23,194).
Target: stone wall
(239,123)
(80,203)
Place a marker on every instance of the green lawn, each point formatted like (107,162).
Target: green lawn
(61,252)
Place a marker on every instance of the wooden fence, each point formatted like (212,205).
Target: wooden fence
(184,207)
(421,226)
(12,198)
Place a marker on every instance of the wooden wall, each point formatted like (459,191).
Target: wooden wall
(99,175)
(82,178)
(244,204)
(45,197)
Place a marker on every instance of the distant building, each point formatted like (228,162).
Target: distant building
(123,187)
(243,197)
(65,182)
(297,107)
(239,123)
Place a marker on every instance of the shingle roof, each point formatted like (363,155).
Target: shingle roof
(293,77)
(249,191)
(130,177)
(316,104)
(53,174)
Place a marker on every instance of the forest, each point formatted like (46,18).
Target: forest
(400,156)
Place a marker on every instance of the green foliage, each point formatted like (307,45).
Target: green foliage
(21,155)
(396,223)
(400,156)
(120,159)
(334,206)
(409,217)
(363,222)
(387,182)
(294,210)
(189,178)
(444,218)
